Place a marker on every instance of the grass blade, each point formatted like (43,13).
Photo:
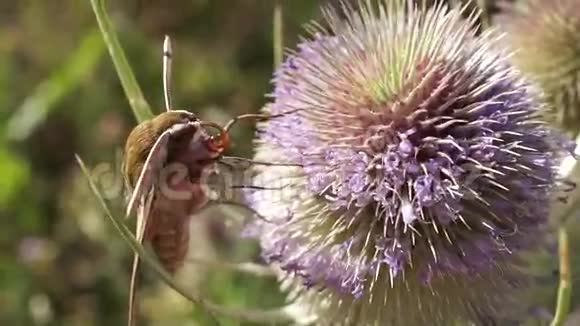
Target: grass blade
(139,105)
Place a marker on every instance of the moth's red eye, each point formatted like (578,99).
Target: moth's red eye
(219,142)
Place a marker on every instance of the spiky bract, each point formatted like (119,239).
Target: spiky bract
(425,171)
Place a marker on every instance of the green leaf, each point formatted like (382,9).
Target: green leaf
(139,105)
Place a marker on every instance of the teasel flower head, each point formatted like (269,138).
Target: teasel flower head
(545,37)
(424,170)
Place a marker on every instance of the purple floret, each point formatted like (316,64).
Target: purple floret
(449,171)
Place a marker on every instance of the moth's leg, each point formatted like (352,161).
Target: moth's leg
(233,161)
(250,268)
(235,204)
(258,187)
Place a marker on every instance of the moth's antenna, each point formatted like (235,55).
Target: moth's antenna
(167,53)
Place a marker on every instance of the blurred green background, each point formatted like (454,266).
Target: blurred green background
(61,262)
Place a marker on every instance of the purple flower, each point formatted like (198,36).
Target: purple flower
(426,171)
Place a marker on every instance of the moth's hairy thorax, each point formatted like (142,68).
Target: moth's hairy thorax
(178,150)
(137,147)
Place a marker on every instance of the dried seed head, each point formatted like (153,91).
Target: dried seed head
(544,35)
(426,172)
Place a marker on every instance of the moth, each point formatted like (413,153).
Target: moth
(164,162)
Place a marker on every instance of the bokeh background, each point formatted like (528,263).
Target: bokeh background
(61,261)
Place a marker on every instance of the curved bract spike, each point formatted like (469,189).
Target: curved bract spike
(167,54)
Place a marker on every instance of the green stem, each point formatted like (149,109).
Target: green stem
(278,34)
(139,105)
(565,288)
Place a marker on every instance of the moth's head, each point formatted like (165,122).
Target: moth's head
(168,119)
(219,142)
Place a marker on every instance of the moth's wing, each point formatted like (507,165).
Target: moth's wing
(153,165)
(143,196)
(144,213)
